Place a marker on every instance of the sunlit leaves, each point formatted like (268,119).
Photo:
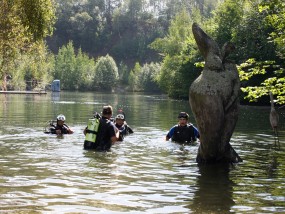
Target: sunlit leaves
(227,18)
(178,50)
(75,70)
(275,15)
(106,72)
(85,66)
(38,15)
(251,68)
(79,20)
(275,83)
(133,77)
(268,73)
(179,32)
(147,77)
(23,25)
(65,65)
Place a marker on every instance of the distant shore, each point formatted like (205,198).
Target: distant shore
(23,92)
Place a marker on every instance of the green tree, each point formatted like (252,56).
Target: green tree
(65,67)
(81,22)
(38,69)
(133,77)
(227,18)
(178,49)
(148,77)
(273,79)
(120,28)
(133,29)
(76,71)
(23,26)
(251,36)
(275,15)
(267,73)
(86,68)
(123,73)
(106,73)
(32,71)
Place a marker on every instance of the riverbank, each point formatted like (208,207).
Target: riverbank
(23,92)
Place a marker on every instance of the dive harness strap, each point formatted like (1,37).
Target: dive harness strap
(91,131)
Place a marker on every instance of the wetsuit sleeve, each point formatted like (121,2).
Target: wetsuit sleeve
(64,129)
(52,130)
(130,131)
(170,133)
(112,130)
(196,132)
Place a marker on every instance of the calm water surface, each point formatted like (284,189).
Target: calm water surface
(42,173)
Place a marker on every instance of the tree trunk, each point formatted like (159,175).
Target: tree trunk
(213,98)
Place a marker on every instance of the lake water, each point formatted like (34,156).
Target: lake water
(41,173)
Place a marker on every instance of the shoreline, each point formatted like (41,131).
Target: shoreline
(23,92)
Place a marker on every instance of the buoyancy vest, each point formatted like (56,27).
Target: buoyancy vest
(92,130)
(62,128)
(122,131)
(184,133)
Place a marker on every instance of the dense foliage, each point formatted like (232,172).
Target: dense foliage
(106,73)
(141,45)
(262,69)
(23,26)
(178,69)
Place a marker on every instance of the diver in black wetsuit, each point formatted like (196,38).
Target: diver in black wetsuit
(60,127)
(123,127)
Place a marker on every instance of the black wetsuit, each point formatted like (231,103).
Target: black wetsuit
(103,141)
(124,130)
(63,129)
(187,133)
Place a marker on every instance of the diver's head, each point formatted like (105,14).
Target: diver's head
(183,115)
(60,119)
(183,118)
(120,119)
(107,111)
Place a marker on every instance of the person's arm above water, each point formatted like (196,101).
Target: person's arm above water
(68,130)
(169,134)
(115,133)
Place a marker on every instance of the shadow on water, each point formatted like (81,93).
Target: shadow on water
(214,189)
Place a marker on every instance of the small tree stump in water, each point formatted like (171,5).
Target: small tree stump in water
(213,98)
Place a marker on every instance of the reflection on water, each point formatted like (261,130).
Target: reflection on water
(41,173)
(215,192)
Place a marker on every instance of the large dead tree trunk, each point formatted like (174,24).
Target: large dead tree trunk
(213,98)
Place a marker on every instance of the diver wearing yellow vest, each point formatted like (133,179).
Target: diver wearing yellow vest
(92,130)
(106,134)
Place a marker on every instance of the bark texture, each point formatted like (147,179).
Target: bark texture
(213,98)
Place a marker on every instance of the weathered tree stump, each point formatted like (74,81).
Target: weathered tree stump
(214,101)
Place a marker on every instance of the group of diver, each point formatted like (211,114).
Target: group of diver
(103,130)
